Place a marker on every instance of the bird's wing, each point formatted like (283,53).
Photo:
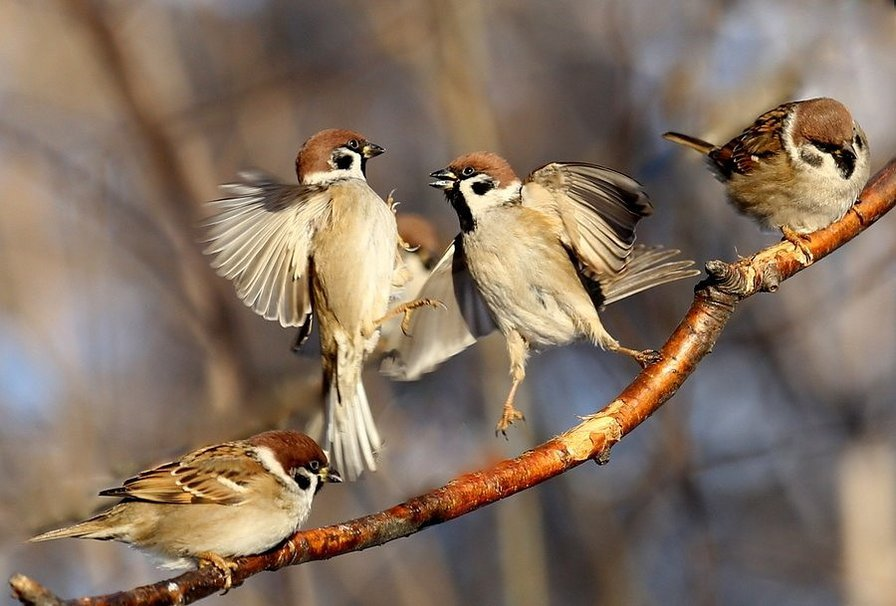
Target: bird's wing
(260,237)
(218,474)
(437,334)
(648,266)
(598,207)
(761,139)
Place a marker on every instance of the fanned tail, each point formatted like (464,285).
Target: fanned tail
(647,267)
(351,436)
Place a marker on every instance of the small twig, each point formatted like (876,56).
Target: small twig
(715,300)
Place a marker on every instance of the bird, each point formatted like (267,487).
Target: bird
(326,247)
(797,168)
(213,504)
(536,260)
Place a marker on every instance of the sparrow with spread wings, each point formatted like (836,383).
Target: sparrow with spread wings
(535,259)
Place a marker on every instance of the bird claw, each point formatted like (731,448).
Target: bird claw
(800,241)
(406,309)
(509,415)
(225,566)
(644,357)
(648,357)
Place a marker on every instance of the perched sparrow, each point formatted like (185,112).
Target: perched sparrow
(327,247)
(799,167)
(218,502)
(534,259)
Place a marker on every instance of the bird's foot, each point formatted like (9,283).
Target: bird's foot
(407,309)
(209,558)
(800,241)
(508,416)
(644,357)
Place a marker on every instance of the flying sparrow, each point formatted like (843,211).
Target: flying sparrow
(798,168)
(536,260)
(326,247)
(215,503)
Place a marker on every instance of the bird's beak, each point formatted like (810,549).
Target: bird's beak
(330,475)
(845,159)
(369,151)
(445,179)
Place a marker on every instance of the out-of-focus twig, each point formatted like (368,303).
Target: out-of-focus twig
(714,302)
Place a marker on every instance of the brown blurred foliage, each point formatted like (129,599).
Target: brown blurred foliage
(119,347)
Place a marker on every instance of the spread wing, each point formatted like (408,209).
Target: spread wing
(438,334)
(260,237)
(217,474)
(599,209)
(760,140)
(647,267)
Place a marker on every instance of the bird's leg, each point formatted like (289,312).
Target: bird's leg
(210,558)
(800,241)
(406,309)
(600,336)
(509,413)
(644,357)
(518,351)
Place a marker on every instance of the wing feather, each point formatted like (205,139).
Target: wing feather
(438,334)
(599,209)
(260,237)
(217,474)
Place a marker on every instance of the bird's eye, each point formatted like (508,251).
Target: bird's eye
(467,171)
(314,465)
(353,144)
(827,148)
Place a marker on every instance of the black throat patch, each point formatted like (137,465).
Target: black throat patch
(464,216)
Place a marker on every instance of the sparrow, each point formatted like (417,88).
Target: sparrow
(215,503)
(798,168)
(535,259)
(327,247)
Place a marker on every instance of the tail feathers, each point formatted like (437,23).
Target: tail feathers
(97,527)
(647,267)
(352,437)
(688,141)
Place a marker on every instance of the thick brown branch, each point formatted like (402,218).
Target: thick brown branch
(714,303)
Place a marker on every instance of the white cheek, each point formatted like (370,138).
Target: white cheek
(792,150)
(270,462)
(323,177)
(491,198)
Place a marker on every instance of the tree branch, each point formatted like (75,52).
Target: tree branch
(715,300)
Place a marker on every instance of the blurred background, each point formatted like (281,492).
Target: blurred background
(769,478)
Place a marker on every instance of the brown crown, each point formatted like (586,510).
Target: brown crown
(315,153)
(292,449)
(822,120)
(485,162)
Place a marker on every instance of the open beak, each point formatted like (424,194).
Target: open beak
(369,151)
(444,179)
(330,475)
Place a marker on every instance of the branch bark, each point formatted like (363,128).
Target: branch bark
(715,301)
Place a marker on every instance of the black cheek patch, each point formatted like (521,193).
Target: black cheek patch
(303,481)
(811,159)
(480,188)
(344,162)
(857,141)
